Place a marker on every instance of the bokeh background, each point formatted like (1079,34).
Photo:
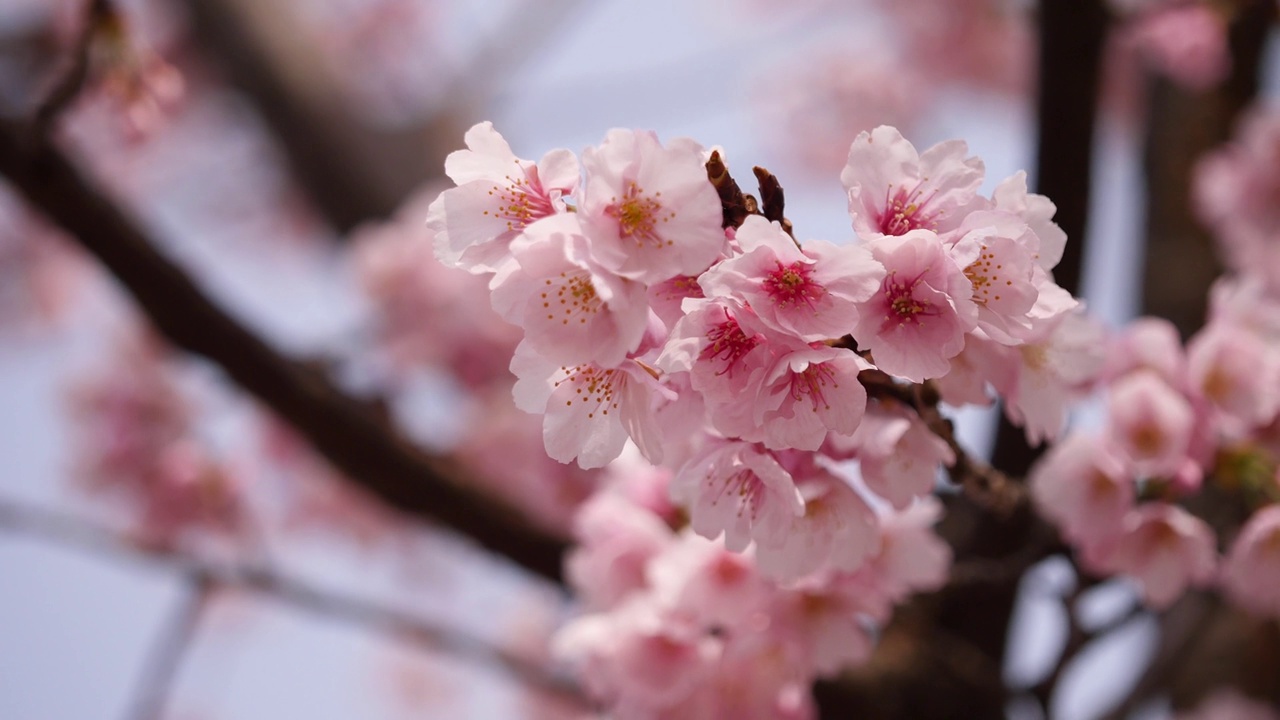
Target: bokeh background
(301,129)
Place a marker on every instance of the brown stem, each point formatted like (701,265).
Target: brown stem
(365,448)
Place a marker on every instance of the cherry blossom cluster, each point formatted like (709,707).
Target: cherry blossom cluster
(732,356)
(137,443)
(1192,427)
(1182,425)
(1237,195)
(678,626)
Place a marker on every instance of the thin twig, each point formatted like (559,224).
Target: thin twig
(983,483)
(165,659)
(211,575)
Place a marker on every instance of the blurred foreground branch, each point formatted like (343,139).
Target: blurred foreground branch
(349,434)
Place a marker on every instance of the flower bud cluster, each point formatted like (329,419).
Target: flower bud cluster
(1184,427)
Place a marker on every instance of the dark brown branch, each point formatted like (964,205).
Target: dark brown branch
(348,434)
(1184,624)
(1072,33)
(210,575)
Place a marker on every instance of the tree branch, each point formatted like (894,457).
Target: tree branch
(359,444)
(209,575)
(161,666)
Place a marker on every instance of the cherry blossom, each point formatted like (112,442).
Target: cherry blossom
(898,456)
(1084,488)
(740,490)
(837,531)
(811,294)
(894,190)
(1251,572)
(649,210)
(919,318)
(1162,547)
(1185,42)
(1037,211)
(572,310)
(1150,423)
(590,411)
(617,541)
(497,196)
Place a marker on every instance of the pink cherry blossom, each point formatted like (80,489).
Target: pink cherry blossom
(1003,275)
(898,456)
(740,490)
(919,318)
(837,531)
(1037,211)
(1083,488)
(754,679)
(723,347)
(825,627)
(1251,573)
(1162,547)
(894,190)
(912,558)
(811,294)
(589,411)
(698,578)
(1152,343)
(616,542)
(1237,372)
(572,310)
(807,393)
(1237,195)
(1186,43)
(650,211)
(1054,366)
(638,659)
(497,197)
(1150,423)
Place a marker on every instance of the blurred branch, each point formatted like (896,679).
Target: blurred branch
(70,83)
(161,666)
(352,170)
(1078,638)
(209,576)
(357,442)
